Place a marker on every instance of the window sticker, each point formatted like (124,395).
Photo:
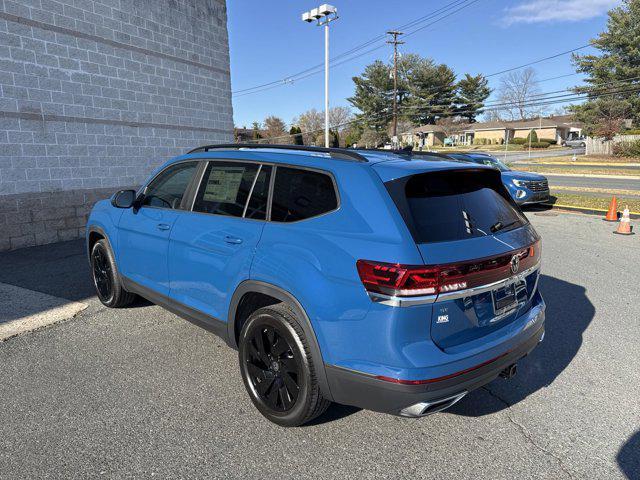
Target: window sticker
(223,184)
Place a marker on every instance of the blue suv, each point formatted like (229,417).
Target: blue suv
(367,278)
(524,187)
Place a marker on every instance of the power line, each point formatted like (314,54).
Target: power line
(538,61)
(494,107)
(317,68)
(535,62)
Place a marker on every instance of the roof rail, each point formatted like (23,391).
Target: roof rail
(407,152)
(337,153)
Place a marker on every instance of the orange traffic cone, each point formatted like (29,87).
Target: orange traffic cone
(624,227)
(612,214)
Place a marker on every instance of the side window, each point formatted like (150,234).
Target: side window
(167,189)
(299,194)
(225,188)
(257,207)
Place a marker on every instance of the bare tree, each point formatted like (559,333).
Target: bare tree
(609,117)
(492,115)
(338,116)
(372,139)
(310,121)
(518,89)
(451,126)
(274,127)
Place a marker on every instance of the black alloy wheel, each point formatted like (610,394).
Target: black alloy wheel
(106,279)
(277,367)
(102,273)
(274,369)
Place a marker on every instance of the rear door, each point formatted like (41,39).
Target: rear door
(465,223)
(144,231)
(213,245)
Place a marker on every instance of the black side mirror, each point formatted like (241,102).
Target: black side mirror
(124,199)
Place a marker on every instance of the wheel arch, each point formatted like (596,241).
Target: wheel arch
(95,233)
(249,287)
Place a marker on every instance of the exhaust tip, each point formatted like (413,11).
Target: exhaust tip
(510,371)
(423,409)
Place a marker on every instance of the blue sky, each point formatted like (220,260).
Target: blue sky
(487,36)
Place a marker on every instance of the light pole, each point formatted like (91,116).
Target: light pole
(323,15)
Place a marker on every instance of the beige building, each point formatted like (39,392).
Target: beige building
(555,128)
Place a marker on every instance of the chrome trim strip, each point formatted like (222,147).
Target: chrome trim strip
(393,301)
(487,288)
(535,285)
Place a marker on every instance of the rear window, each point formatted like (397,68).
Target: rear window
(300,194)
(455,205)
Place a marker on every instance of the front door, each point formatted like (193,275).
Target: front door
(143,232)
(212,248)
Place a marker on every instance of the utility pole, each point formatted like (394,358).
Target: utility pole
(395,42)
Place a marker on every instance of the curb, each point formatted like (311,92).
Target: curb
(586,175)
(586,210)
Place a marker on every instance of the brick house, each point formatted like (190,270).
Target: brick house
(95,95)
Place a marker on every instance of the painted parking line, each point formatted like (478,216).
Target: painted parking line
(23,310)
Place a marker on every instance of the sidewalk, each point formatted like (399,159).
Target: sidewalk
(40,286)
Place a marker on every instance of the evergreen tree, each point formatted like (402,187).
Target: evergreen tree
(256,130)
(374,95)
(426,92)
(431,92)
(334,139)
(472,93)
(295,133)
(612,70)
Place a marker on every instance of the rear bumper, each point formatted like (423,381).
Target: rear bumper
(366,391)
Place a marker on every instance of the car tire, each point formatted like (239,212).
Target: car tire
(277,368)
(106,278)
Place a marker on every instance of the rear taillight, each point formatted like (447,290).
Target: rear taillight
(412,280)
(397,280)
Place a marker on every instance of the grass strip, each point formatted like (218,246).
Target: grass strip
(559,199)
(582,171)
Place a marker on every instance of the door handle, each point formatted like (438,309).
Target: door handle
(163,226)
(234,240)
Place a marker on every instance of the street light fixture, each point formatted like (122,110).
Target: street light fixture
(323,15)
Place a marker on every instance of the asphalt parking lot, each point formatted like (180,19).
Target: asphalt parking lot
(140,392)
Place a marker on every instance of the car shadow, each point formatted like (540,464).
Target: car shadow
(629,457)
(58,269)
(539,207)
(336,411)
(569,312)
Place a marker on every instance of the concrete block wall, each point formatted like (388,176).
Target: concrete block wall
(97,93)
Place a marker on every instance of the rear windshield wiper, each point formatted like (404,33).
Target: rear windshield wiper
(496,227)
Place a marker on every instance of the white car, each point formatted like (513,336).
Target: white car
(575,142)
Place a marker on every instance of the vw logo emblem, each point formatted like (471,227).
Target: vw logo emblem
(515,264)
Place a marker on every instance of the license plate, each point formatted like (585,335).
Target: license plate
(504,299)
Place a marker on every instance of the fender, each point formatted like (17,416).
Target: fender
(268,289)
(100,230)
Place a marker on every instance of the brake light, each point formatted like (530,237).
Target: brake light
(412,280)
(397,280)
